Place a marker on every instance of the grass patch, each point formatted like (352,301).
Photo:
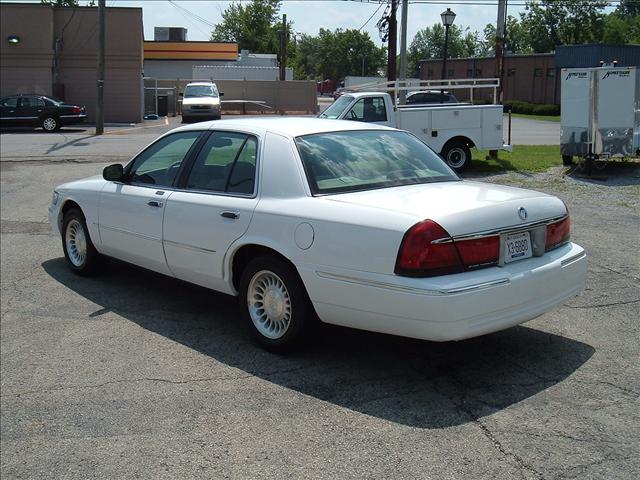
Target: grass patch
(545,118)
(524,158)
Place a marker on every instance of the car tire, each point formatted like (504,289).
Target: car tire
(275,304)
(567,160)
(457,156)
(50,124)
(82,257)
(186,119)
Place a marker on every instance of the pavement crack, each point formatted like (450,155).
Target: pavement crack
(601,305)
(613,270)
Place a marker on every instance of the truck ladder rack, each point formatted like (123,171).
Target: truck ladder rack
(397,86)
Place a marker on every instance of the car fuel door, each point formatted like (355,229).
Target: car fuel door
(212,209)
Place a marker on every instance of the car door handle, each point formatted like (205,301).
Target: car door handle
(231,215)
(153,203)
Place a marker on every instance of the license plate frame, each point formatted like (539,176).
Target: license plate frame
(516,246)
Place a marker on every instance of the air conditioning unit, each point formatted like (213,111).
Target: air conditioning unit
(169,34)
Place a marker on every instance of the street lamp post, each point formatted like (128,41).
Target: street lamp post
(447,20)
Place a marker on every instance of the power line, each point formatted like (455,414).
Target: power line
(187,18)
(372,15)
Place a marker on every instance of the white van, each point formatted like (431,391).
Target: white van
(200,101)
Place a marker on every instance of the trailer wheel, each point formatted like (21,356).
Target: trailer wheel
(457,156)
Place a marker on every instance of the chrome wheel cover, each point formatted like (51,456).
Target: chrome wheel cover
(49,124)
(75,241)
(269,304)
(456,157)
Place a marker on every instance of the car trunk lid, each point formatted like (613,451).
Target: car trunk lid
(461,207)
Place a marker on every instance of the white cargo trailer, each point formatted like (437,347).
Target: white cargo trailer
(600,113)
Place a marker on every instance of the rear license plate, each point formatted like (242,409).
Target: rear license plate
(517,247)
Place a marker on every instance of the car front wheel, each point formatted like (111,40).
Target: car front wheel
(81,255)
(275,304)
(50,124)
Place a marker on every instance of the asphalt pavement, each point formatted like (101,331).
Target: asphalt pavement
(134,375)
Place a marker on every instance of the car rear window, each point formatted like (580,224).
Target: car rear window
(337,162)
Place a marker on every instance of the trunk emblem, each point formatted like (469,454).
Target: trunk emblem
(522,213)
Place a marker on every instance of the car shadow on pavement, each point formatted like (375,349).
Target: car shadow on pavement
(410,382)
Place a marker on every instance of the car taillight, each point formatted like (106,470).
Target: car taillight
(558,233)
(480,252)
(76,110)
(427,250)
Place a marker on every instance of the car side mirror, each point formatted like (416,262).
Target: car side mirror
(113,173)
(221,94)
(181,94)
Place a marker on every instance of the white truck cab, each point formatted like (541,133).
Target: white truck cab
(451,129)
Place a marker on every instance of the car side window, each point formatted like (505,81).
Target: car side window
(10,102)
(226,164)
(368,110)
(31,102)
(158,165)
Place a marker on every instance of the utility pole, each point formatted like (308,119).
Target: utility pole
(500,34)
(101,42)
(403,50)
(283,48)
(500,37)
(393,34)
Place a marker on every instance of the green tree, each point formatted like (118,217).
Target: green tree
(628,7)
(305,58)
(429,43)
(516,41)
(252,26)
(340,53)
(621,28)
(550,23)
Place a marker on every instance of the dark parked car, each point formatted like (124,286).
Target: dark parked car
(39,111)
(427,97)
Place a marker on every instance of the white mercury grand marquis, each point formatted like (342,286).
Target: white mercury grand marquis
(302,218)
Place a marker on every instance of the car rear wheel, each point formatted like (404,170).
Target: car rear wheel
(50,124)
(82,257)
(275,304)
(457,156)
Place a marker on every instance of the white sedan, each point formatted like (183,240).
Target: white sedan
(357,225)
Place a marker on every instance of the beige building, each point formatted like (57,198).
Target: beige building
(54,51)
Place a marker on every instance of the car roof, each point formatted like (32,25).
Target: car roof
(201,83)
(288,126)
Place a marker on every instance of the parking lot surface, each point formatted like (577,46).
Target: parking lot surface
(135,375)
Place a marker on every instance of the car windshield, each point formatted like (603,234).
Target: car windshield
(200,91)
(338,162)
(336,108)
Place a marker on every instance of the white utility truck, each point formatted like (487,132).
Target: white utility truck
(450,129)
(600,114)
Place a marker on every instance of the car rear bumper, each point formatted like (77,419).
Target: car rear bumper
(450,307)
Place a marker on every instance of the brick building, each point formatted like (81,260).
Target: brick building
(532,78)
(54,51)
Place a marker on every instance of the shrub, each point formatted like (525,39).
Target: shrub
(527,108)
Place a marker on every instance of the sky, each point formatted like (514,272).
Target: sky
(311,15)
